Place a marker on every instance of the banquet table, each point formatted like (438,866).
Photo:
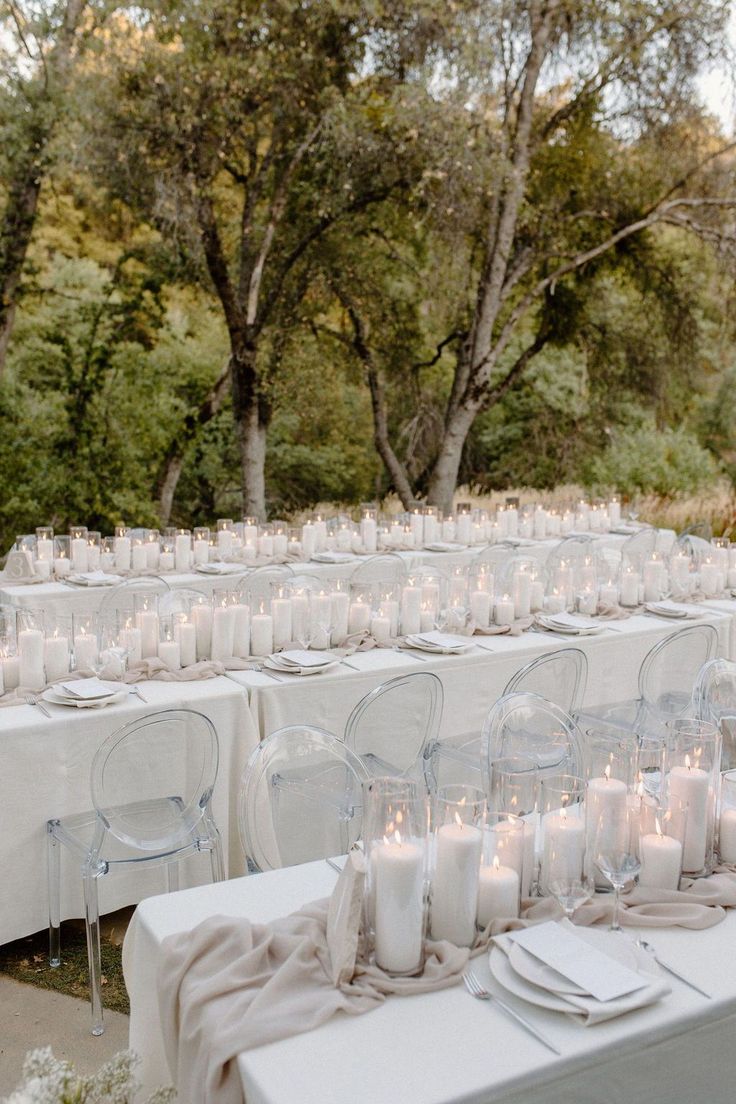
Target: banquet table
(61,598)
(45,764)
(445,1047)
(474,680)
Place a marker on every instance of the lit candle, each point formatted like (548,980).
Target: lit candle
(225,543)
(139,556)
(690,784)
(381,629)
(661,860)
(522,590)
(359,619)
(498,893)
(587,602)
(153,551)
(398,873)
(202,618)
(280,543)
(130,639)
(282,624)
(455,883)
(30,656)
(652,580)
(300,617)
(606,815)
(504,614)
(169,652)
(79,554)
(564,847)
(182,552)
(411,610)
(223,633)
(85,650)
(185,635)
(147,621)
(609,594)
(727,835)
(10,672)
(630,587)
(56,656)
(309,538)
(708,580)
(320,620)
(62,567)
(121,548)
(261,634)
(340,612)
(554,602)
(368,534)
(480,608)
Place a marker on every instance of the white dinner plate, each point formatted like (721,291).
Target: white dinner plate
(273,664)
(538,973)
(678,611)
(59,698)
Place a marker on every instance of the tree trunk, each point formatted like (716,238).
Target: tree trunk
(251,422)
(443,479)
(168,483)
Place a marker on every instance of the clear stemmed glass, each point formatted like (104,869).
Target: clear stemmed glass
(571,893)
(615,853)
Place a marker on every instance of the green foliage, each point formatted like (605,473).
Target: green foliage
(664,461)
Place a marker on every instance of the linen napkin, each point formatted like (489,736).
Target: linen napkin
(230,985)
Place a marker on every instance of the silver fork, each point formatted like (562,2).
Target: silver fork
(31,700)
(137,691)
(476,990)
(262,670)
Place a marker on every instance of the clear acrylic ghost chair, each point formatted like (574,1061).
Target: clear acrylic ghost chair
(152,784)
(666,679)
(385,568)
(300,798)
(559,677)
(120,599)
(714,700)
(391,728)
(256,586)
(639,548)
(530,727)
(701,530)
(180,600)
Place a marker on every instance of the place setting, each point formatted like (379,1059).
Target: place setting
(85,693)
(301,661)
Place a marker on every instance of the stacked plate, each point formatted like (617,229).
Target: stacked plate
(596,975)
(94,579)
(573,624)
(676,610)
(333,557)
(445,546)
(220,568)
(439,642)
(301,662)
(85,693)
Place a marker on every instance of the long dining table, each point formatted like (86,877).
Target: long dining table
(444,1047)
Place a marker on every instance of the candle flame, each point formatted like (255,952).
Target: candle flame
(399,816)
(458,820)
(687,761)
(496,863)
(514,800)
(397,837)
(607,773)
(657,826)
(565,799)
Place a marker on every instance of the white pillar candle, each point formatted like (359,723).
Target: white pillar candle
(680,572)
(609,594)
(261,634)
(587,602)
(281,611)
(359,618)
(554,602)
(241,632)
(250,551)
(225,543)
(529,860)
(564,847)
(202,619)
(93,557)
(280,544)
(455,883)
(661,861)
(417,528)
(130,639)
(536,597)
(522,593)
(265,545)
(498,893)
(42,568)
(390,609)
(147,621)
(79,554)
(563,578)
(431,596)
(411,609)
(630,587)
(169,652)
(185,635)
(11,672)
(85,650)
(309,539)
(166,561)
(223,633)
(614,513)
(426,620)
(540,523)
(320,619)
(448,529)
(606,816)
(398,873)
(651,579)
(138,557)
(727,835)
(381,629)
(182,552)
(30,655)
(201,551)
(56,657)
(44,549)
(153,553)
(320,535)
(300,617)
(62,567)
(121,548)
(2,677)
(463,527)
(369,534)
(396,535)
(480,608)
(553,523)
(708,580)
(690,784)
(504,613)
(344,538)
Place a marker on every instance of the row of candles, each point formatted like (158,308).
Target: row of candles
(140,550)
(451,865)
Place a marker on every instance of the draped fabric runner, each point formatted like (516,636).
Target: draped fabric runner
(230,985)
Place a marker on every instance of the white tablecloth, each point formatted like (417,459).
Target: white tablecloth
(445,1047)
(471,682)
(45,768)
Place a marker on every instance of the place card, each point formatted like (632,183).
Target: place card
(302,658)
(86,689)
(596,973)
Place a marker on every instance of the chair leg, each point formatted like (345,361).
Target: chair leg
(217,861)
(172,876)
(53,873)
(90,874)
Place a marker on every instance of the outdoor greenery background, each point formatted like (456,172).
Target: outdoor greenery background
(119,335)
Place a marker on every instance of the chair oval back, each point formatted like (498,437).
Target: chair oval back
(256,586)
(635,550)
(152,779)
(385,568)
(300,798)
(180,600)
(560,677)
(392,726)
(670,669)
(714,700)
(530,727)
(120,599)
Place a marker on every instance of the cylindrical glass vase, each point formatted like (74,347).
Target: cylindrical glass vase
(458,819)
(693,774)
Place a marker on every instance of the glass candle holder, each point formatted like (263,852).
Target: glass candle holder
(727,819)
(561,830)
(85,640)
(458,816)
(146,619)
(395,839)
(693,774)
(614,748)
(62,557)
(45,543)
(501,870)
(514,790)
(660,842)
(30,635)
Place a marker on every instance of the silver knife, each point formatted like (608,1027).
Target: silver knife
(524,1023)
(686,981)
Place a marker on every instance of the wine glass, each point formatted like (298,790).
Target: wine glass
(572,892)
(615,852)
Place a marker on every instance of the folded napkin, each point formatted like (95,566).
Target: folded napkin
(516,629)
(231,985)
(221,567)
(94,579)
